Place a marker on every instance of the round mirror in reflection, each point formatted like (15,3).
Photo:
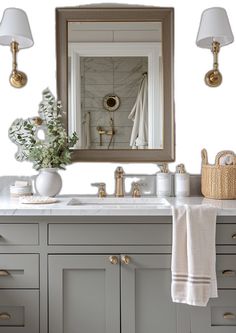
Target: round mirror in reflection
(111,102)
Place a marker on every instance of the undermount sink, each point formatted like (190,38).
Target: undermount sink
(111,202)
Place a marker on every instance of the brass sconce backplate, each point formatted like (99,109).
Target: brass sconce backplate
(213,78)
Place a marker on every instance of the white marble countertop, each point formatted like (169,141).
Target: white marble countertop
(12,207)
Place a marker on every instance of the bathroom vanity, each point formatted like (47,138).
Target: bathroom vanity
(104,268)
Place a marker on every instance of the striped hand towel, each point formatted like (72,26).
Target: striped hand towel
(193,254)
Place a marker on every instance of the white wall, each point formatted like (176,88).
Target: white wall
(205,117)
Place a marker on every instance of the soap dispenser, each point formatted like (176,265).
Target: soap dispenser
(182,182)
(163,181)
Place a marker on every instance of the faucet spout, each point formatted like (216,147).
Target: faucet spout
(119,182)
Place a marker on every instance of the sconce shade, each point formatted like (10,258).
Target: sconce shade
(15,27)
(214,26)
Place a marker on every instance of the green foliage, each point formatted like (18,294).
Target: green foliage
(54,150)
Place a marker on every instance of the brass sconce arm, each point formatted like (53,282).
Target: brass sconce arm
(213,78)
(17,78)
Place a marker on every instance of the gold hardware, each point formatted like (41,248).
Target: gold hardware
(111,133)
(101,189)
(125,259)
(136,193)
(228,272)
(113,260)
(5,316)
(4,273)
(213,78)
(119,182)
(229,315)
(234,236)
(17,78)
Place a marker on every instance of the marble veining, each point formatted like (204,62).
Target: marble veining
(110,75)
(11,207)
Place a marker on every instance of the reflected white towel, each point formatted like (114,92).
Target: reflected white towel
(193,254)
(86,131)
(139,115)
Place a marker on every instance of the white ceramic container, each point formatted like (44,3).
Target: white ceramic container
(48,182)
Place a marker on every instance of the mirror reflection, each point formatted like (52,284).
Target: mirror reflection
(115,84)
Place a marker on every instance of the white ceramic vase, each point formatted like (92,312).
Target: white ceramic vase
(48,182)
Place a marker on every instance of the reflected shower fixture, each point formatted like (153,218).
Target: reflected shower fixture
(214,32)
(15,31)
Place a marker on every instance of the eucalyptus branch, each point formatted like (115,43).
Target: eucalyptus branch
(54,150)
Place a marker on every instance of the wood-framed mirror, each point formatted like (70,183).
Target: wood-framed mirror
(126,52)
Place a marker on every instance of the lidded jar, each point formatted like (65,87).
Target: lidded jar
(163,181)
(182,182)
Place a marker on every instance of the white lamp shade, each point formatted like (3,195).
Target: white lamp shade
(15,27)
(214,26)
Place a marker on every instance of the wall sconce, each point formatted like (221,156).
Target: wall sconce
(15,31)
(214,32)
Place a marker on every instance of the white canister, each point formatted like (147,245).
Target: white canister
(163,184)
(182,185)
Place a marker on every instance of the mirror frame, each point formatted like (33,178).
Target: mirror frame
(165,15)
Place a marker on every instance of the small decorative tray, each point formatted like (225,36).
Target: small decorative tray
(37,200)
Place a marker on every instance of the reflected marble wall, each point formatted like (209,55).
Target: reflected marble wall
(110,75)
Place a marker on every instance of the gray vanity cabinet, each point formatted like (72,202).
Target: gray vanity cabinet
(87,292)
(104,274)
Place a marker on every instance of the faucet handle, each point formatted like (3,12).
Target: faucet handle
(101,189)
(135,190)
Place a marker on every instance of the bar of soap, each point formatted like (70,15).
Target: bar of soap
(21,183)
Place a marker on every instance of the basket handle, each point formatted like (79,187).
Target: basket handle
(204,156)
(223,153)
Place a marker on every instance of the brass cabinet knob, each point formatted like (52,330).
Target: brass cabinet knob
(228,272)
(5,316)
(125,259)
(113,260)
(229,315)
(4,273)
(234,236)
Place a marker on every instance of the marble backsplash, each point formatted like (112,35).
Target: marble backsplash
(148,181)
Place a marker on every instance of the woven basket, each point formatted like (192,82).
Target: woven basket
(218,181)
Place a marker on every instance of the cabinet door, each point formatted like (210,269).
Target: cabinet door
(146,304)
(84,294)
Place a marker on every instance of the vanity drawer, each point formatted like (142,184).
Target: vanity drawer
(19,271)
(109,234)
(19,234)
(226,234)
(226,271)
(19,311)
(218,317)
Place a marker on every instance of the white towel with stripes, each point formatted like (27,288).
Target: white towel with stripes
(193,254)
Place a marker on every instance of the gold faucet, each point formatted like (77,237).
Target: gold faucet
(119,182)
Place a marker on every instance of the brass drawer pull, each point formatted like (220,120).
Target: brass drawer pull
(234,236)
(228,272)
(3,272)
(113,260)
(229,315)
(125,260)
(5,316)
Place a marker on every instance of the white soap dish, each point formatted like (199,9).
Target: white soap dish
(37,200)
